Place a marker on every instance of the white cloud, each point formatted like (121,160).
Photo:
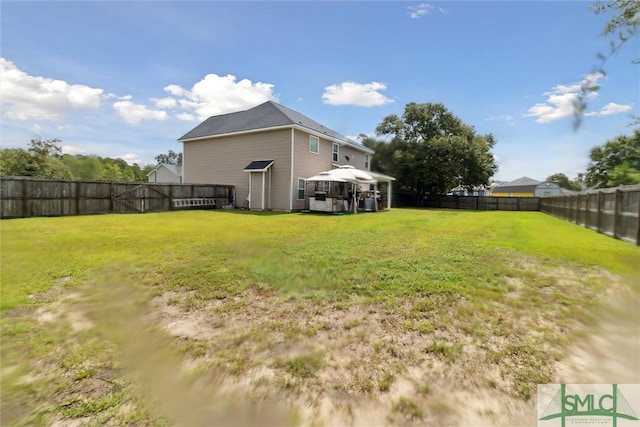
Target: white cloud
(27,97)
(423,9)
(135,113)
(187,117)
(70,149)
(562,100)
(130,158)
(508,119)
(166,103)
(351,93)
(215,95)
(611,108)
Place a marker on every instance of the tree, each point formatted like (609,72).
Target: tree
(16,162)
(615,163)
(382,160)
(432,151)
(564,182)
(47,147)
(625,23)
(171,158)
(38,161)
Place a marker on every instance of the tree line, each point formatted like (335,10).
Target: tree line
(44,159)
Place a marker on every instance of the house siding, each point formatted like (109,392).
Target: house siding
(203,164)
(513,194)
(221,160)
(307,164)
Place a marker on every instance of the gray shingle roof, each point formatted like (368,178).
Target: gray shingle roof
(266,115)
(258,165)
(520,184)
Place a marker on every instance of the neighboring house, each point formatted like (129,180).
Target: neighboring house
(521,187)
(266,152)
(548,189)
(165,173)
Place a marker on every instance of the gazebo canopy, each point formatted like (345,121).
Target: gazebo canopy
(345,173)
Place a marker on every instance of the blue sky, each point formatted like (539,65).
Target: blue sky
(127,78)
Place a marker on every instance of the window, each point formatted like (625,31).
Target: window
(336,152)
(366,161)
(326,187)
(301,188)
(314,144)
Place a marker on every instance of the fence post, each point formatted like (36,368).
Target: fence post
(615,213)
(171,196)
(112,202)
(638,226)
(599,212)
(25,198)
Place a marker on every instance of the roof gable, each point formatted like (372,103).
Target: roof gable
(520,185)
(174,169)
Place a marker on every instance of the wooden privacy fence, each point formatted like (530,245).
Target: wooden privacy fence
(612,211)
(28,197)
(484,203)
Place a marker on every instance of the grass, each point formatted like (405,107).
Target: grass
(428,280)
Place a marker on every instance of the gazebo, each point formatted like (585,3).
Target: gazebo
(346,188)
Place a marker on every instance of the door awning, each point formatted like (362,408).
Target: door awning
(258,166)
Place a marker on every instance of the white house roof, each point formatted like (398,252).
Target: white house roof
(175,169)
(264,116)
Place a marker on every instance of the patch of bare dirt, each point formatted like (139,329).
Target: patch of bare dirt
(66,309)
(375,367)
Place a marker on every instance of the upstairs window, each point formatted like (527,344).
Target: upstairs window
(314,144)
(336,152)
(366,161)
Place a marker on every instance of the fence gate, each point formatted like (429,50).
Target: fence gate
(140,198)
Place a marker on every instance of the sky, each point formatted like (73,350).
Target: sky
(128,78)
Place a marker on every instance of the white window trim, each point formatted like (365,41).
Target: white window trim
(317,145)
(304,189)
(335,152)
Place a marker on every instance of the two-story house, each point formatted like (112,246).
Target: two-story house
(266,152)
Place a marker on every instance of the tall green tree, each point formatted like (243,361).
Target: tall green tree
(615,163)
(432,150)
(170,158)
(563,181)
(39,160)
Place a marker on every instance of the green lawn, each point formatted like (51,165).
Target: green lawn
(463,289)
